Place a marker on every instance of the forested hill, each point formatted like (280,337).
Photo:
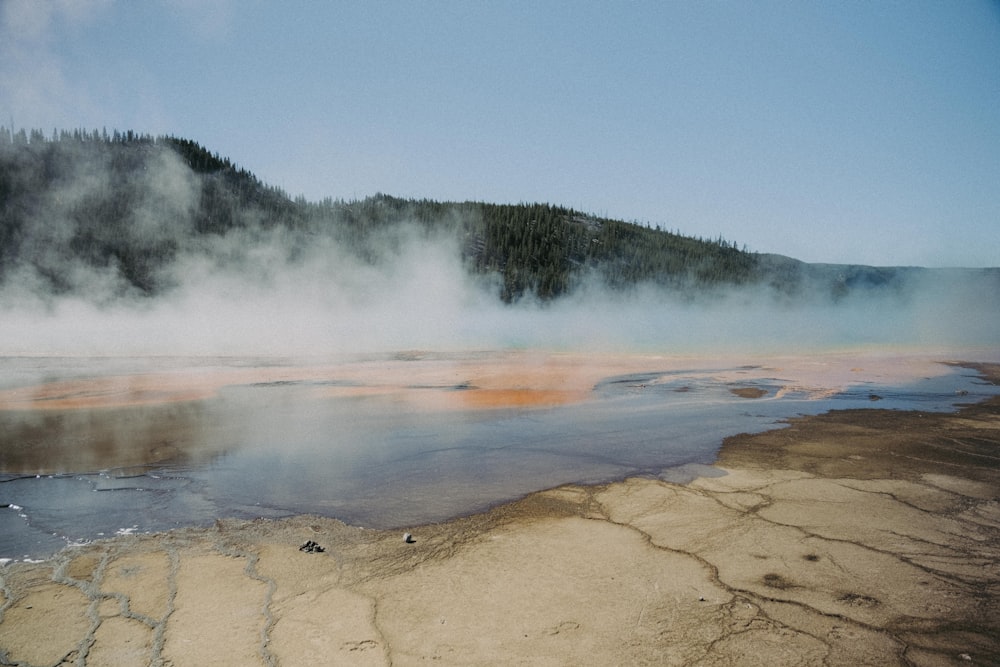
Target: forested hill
(128,205)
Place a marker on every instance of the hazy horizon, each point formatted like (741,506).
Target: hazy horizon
(262,289)
(327,302)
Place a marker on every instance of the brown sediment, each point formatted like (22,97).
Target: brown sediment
(449,382)
(545,379)
(854,537)
(748,392)
(113,392)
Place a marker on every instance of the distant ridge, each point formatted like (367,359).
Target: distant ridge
(127,206)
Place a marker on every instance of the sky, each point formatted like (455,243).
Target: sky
(841,131)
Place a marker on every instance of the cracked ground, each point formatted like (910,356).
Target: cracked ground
(851,538)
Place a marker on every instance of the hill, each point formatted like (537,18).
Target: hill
(126,206)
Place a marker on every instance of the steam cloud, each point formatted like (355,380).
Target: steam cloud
(270,290)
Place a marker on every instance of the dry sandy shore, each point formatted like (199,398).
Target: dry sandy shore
(859,537)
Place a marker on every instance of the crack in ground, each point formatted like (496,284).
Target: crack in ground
(954,579)
(91,589)
(737,593)
(159,633)
(251,571)
(386,648)
(902,646)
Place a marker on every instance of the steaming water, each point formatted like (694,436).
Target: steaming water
(273,449)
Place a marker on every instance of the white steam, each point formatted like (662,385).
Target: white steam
(422,298)
(262,290)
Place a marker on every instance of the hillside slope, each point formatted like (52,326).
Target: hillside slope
(82,208)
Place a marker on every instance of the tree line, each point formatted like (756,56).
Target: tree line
(90,195)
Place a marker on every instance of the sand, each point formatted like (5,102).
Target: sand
(851,538)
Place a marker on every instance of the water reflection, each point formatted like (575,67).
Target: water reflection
(384,443)
(70,441)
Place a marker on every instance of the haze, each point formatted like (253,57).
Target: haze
(258,289)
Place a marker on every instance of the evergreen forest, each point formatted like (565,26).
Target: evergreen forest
(131,203)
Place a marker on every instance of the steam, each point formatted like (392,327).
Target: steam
(270,290)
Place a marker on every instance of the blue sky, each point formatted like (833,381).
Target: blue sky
(860,132)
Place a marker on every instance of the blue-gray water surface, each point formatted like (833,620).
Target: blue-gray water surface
(271,450)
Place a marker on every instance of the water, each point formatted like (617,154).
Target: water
(383,443)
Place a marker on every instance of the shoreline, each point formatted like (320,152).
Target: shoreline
(851,537)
